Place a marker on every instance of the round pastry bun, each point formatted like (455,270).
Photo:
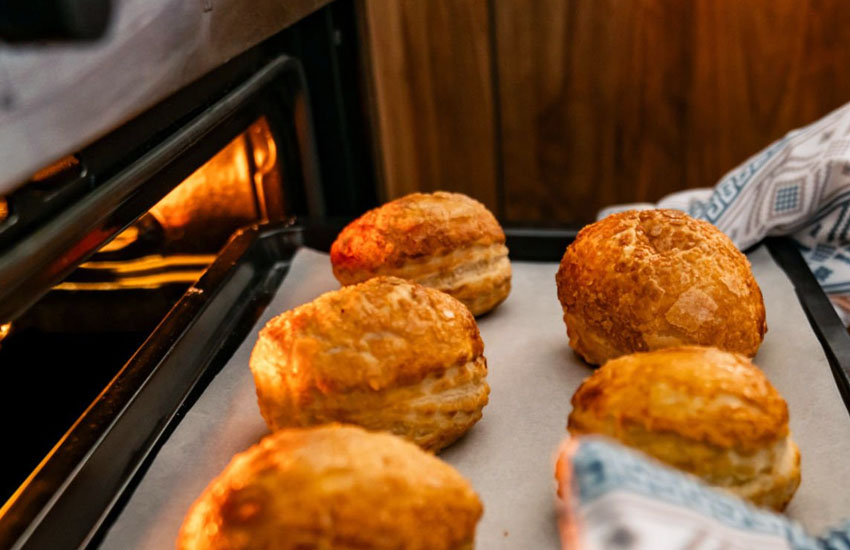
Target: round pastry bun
(702,410)
(653,279)
(446,241)
(333,486)
(387,354)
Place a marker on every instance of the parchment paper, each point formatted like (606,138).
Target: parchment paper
(508,455)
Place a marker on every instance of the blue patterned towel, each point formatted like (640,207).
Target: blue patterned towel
(798,186)
(614,498)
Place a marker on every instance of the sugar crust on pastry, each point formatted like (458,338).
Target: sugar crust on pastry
(705,411)
(337,487)
(443,240)
(651,279)
(386,354)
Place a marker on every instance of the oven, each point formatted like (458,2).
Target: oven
(132,262)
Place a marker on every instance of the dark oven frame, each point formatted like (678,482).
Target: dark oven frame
(66,499)
(108,192)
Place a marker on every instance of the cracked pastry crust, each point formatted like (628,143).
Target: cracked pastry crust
(386,354)
(705,411)
(337,487)
(652,279)
(446,241)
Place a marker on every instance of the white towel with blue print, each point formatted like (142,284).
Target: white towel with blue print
(798,186)
(614,498)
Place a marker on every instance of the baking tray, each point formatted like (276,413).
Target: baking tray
(81,488)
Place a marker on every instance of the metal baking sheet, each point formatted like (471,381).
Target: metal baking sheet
(508,455)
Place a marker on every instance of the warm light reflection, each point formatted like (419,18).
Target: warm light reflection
(142,281)
(214,191)
(265,158)
(219,196)
(147,263)
(56,168)
(264,147)
(124,239)
(146,272)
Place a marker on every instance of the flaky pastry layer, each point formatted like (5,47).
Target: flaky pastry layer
(443,240)
(705,411)
(386,354)
(432,413)
(479,276)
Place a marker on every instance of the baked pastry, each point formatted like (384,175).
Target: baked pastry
(446,241)
(705,411)
(652,279)
(337,487)
(386,354)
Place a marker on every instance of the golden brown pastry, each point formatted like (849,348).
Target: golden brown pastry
(386,354)
(702,410)
(333,487)
(446,241)
(652,279)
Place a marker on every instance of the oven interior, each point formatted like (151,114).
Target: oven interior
(75,336)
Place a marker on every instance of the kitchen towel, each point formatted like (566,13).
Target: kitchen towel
(613,498)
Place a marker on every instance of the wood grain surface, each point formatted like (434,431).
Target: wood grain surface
(597,101)
(433,93)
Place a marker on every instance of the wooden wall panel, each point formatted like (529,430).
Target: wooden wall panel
(606,101)
(433,95)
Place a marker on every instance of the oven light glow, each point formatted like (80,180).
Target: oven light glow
(146,272)
(180,232)
(61,165)
(142,281)
(218,193)
(153,262)
(123,240)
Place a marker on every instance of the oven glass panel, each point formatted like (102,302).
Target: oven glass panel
(61,353)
